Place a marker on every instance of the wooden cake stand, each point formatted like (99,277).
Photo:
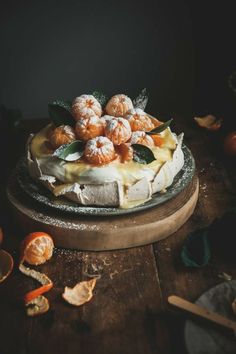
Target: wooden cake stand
(104,233)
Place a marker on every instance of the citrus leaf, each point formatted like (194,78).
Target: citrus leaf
(196,250)
(142,154)
(102,99)
(161,128)
(141,100)
(60,113)
(70,152)
(64,104)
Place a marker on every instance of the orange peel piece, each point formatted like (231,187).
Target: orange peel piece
(209,122)
(37,306)
(42,278)
(80,293)
(6,265)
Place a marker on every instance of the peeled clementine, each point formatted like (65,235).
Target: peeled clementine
(37,248)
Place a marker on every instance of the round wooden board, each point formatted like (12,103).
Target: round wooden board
(104,233)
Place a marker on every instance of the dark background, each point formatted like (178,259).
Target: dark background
(181,51)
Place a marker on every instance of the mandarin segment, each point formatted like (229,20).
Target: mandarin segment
(118,105)
(118,130)
(61,135)
(86,106)
(140,137)
(139,120)
(99,150)
(89,128)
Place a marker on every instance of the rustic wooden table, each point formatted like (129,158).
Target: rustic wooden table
(129,311)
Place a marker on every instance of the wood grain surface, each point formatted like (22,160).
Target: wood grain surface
(129,313)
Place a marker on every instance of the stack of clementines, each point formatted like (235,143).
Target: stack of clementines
(108,134)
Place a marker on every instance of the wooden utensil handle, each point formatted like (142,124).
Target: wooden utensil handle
(201,312)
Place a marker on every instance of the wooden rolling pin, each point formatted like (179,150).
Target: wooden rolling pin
(201,312)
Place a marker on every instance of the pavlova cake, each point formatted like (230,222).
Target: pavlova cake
(105,152)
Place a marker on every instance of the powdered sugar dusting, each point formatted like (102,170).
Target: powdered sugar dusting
(68,130)
(138,136)
(116,122)
(63,224)
(133,111)
(118,105)
(93,120)
(107,118)
(123,99)
(86,106)
(83,98)
(100,144)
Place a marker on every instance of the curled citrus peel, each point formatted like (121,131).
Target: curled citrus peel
(37,306)
(80,293)
(41,278)
(36,248)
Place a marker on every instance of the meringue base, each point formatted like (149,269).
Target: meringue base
(123,185)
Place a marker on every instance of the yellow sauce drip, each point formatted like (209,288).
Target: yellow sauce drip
(39,145)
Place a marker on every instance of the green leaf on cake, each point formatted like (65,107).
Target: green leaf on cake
(70,152)
(141,100)
(102,99)
(60,113)
(161,128)
(142,154)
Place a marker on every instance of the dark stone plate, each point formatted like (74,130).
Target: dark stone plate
(39,193)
